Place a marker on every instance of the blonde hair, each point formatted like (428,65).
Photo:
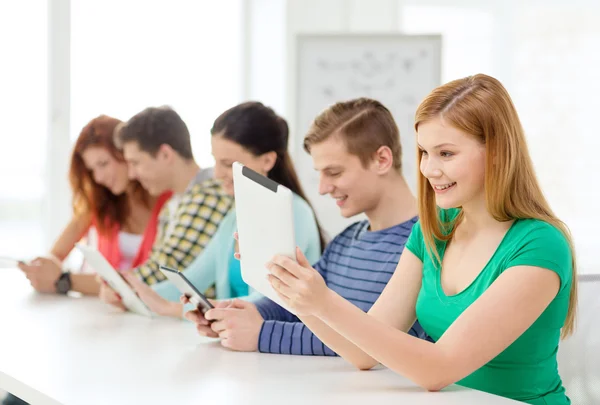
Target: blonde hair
(479,105)
(363,124)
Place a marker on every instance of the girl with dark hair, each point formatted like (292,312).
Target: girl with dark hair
(257,137)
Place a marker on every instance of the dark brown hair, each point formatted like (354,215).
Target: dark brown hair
(259,130)
(156,126)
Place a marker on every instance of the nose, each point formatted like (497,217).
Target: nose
(131,173)
(430,168)
(325,187)
(99,176)
(218,173)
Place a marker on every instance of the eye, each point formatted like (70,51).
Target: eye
(423,152)
(446,154)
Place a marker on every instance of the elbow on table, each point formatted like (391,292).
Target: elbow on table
(434,383)
(434,386)
(364,365)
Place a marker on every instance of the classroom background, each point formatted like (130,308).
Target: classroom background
(67,61)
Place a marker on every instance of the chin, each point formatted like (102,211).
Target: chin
(153,191)
(446,204)
(348,212)
(119,191)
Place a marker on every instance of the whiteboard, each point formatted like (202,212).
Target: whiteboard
(397,70)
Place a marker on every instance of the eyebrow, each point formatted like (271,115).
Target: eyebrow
(441,145)
(330,167)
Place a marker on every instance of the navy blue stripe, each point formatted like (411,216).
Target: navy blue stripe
(312,349)
(302,339)
(407,226)
(359,269)
(291,338)
(369,249)
(313,337)
(353,289)
(376,242)
(281,337)
(271,335)
(367,259)
(364,280)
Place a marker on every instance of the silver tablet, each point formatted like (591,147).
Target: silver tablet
(265,222)
(99,263)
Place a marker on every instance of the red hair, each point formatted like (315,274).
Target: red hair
(90,198)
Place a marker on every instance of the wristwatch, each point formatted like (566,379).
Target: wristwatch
(63,284)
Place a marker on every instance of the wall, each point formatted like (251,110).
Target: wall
(544,52)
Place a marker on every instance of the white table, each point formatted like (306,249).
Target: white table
(72,350)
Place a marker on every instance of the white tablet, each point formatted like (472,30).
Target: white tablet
(99,263)
(8,262)
(265,222)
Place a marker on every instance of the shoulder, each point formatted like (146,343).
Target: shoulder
(206,174)
(538,243)
(208,187)
(350,231)
(208,192)
(403,228)
(528,231)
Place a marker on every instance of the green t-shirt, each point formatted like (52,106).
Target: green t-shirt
(527,370)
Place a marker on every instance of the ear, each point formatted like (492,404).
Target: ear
(383,160)
(165,153)
(268,160)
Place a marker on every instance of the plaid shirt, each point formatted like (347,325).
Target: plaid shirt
(199,213)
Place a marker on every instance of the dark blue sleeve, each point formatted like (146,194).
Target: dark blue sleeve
(291,338)
(283,333)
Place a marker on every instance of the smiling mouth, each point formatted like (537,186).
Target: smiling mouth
(443,187)
(340,200)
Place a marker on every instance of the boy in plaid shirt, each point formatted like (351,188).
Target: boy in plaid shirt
(156,144)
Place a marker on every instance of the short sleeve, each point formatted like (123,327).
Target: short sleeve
(546,247)
(415,242)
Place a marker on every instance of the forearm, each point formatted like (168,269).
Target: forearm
(176,310)
(339,344)
(421,361)
(72,233)
(271,311)
(58,255)
(85,284)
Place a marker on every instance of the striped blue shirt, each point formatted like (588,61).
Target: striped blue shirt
(357,265)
